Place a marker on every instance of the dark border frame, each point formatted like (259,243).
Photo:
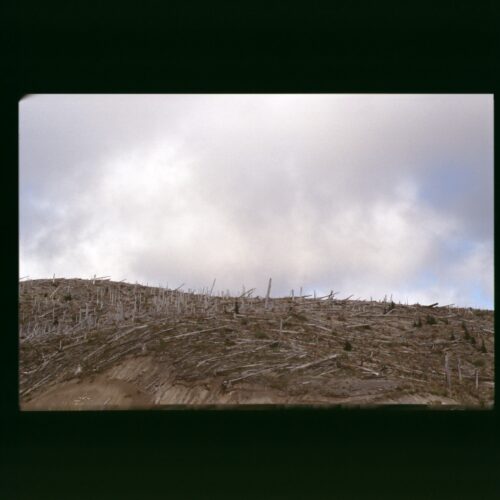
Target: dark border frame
(280,453)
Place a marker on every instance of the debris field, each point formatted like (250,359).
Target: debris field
(100,344)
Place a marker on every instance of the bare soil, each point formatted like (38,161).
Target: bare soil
(97,344)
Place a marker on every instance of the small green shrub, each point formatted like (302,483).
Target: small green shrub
(431,320)
(261,335)
(67,297)
(347,346)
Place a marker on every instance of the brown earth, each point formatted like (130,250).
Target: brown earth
(104,345)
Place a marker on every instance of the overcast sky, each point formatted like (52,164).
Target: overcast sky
(363,194)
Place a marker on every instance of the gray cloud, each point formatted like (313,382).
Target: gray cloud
(367,194)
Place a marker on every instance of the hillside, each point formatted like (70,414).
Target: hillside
(99,344)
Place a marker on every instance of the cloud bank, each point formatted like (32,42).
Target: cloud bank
(363,194)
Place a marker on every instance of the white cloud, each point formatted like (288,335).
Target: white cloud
(355,193)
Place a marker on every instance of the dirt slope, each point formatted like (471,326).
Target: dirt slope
(97,344)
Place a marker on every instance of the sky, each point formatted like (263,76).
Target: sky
(365,194)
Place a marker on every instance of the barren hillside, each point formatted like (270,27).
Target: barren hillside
(98,344)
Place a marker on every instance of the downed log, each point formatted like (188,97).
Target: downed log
(193,333)
(369,370)
(346,299)
(329,330)
(35,386)
(255,373)
(312,363)
(116,356)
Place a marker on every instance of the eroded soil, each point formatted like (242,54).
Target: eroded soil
(103,345)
